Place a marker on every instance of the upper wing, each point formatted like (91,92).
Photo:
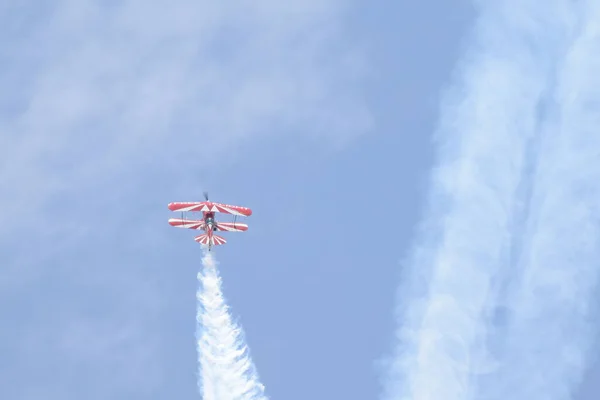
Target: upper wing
(187,223)
(209,206)
(231,227)
(189,206)
(229,209)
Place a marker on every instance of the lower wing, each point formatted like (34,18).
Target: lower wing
(231,227)
(187,223)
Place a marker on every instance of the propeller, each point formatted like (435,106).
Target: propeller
(206,195)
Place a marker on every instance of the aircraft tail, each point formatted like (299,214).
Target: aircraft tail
(216,240)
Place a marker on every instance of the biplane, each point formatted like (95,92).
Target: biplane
(208,223)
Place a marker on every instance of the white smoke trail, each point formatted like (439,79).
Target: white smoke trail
(485,143)
(550,333)
(226,371)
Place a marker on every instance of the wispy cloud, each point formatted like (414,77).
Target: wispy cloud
(98,99)
(94,91)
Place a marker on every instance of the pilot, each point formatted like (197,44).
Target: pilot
(211,220)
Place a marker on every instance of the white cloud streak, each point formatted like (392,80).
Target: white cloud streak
(226,369)
(549,333)
(455,280)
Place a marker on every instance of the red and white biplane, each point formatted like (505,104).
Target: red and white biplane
(208,223)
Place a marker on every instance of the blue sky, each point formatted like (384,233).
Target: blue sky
(318,115)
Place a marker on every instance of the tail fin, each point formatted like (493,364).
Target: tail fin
(216,240)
